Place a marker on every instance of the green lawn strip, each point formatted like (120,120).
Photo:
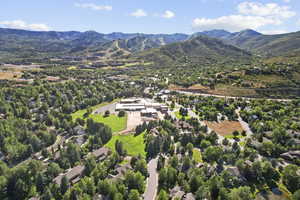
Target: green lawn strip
(197,156)
(179,116)
(116,123)
(133,145)
(230,136)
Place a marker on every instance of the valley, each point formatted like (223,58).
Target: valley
(210,115)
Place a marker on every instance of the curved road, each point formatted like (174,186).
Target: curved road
(152,181)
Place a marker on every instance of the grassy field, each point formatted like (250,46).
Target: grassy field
(179,116)
(133,145)
(116,123)
(197,156)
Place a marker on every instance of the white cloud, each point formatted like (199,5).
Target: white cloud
(287,1)
(266,10)
(168,14)
(234,22)
(273,32)
(139,13)
(20,24)
(94,6)
(251,15)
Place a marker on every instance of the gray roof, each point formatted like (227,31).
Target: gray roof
(189,196)
(102,152)
(71,174)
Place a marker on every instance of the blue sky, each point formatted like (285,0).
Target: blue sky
(151,16)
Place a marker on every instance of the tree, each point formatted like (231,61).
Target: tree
(134,195)
(107,113)
(212,154)
(241,193)
(162,195)
(64,185)
(235,133)
(296,195)
(90,164)
(40,183)
(47,195)
(120,148)
(291,177)
(121,113)
(190,148)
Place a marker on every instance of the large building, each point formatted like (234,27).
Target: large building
(146,106)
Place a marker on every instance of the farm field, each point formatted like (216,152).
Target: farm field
(225,128)
(133,144)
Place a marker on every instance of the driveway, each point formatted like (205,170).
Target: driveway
(152,181)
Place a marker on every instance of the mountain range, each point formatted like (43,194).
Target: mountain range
(22,43)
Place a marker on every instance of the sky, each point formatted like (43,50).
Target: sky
(151,16)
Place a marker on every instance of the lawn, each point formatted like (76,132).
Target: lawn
(133,145)
(116,123)
(197,156)
(230,136)
(179,116)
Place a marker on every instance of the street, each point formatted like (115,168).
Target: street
(152,181)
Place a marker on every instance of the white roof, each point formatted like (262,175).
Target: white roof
(149,110)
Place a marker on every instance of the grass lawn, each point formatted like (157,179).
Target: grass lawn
(230,136)
(133,145)
(116,123)
(197,156)
(179,116)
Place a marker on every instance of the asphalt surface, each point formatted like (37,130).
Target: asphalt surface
(228,97)
(152,181)
(110,107)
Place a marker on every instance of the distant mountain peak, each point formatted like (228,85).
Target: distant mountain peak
(250,32)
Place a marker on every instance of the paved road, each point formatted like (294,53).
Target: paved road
(228,97)
(152,181)
(111,107)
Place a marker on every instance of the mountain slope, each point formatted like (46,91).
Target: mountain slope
(220,34)
(265,45)
(270,45)
(200,49)
(22,43)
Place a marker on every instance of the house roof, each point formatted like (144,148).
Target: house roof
(189,196)
(71,174)
(176,192)
(101,152)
